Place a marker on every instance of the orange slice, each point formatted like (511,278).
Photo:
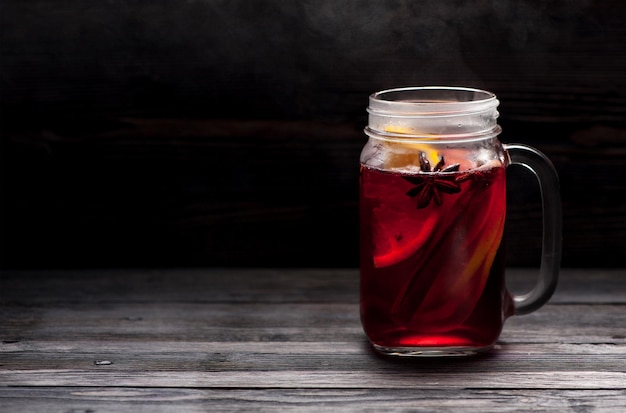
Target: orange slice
(397,234)
(406,153)
(397,239)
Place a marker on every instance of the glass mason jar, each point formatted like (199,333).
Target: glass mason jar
(432,214)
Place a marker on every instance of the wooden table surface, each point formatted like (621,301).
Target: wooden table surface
(288,340)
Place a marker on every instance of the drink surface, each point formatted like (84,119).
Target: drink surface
(431,261)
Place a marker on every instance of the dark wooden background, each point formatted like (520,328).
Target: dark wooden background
(227,132)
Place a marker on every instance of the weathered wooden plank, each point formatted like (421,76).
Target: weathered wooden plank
(180,285)
(132,358)
(190,192)
(576,285)
(276,322)
(280,215)
(259,285)
(123,399)
(319,379)
(360,348)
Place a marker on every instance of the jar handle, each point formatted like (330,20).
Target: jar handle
(548,180)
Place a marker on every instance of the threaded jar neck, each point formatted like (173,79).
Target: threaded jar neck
(433,112)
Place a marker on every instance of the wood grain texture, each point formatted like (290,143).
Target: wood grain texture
(80,400)
(180,192)
(142,137)
(288,339)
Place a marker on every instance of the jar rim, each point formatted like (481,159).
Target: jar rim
(417,101)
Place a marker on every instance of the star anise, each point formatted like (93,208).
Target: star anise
(431,183)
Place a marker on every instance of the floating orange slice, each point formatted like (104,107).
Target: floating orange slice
(397,233)
(398,239)
(406,153)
